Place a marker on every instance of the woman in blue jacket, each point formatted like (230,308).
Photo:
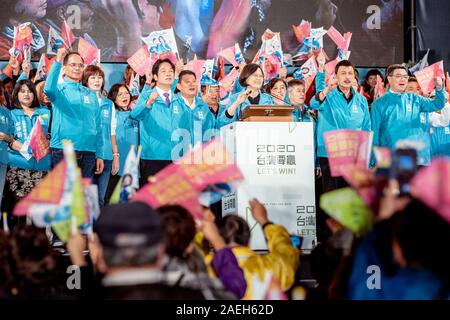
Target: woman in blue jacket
(252,79)
(94,79)
(127,130)
(24,171)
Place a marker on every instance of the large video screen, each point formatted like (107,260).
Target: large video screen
(204,27)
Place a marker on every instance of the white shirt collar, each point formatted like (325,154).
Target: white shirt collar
(191,106)
(161,93)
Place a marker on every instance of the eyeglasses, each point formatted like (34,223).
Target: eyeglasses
(401,76)
(76,65)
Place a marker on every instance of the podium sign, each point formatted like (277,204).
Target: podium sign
(277,161)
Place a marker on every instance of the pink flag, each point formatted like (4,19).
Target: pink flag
(342,42)
(229,54)
(226,84)
(432,186)
(426,76)
(67,34)
(140,61)
(345,147)
(38,142)
(302,31)
(87,51)
(181,182)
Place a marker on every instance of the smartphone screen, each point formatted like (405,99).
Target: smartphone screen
(296,241)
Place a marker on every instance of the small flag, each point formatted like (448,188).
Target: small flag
(54,41)
(38,142)
(67,34)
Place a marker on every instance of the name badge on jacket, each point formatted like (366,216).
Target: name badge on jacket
(355,108)
(447,130)
(86,100)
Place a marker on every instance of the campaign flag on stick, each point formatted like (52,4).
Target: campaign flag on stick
(302,31)
(161,41)
(38,142)
(346,147)
(426,77)
(226,84)
(134,85)
(182,182)
(342,41)
(41,74)
(422,64)
(54,41)
(88,52)
(229,54)
(307,72)
(140,61)
(129,182)
(272,45)
(67,34)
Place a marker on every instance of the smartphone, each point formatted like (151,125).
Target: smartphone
(296,241)
(403,169)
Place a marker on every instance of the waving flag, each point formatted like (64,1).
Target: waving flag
(88,52)
(342,41)
(272,44)
(426,77)
(67,34)
(134,85)
(422,64)
(129,182)
(307,72)
(38,142)
(54,41)
(302,31)
(140,60)
(161,41)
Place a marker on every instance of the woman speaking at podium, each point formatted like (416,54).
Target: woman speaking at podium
(252,79)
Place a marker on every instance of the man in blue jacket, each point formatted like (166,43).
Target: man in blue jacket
(397,115)
(193,121)
(340,108)
(76,114)
(154,110)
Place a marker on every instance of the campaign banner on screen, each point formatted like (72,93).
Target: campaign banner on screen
(277,162)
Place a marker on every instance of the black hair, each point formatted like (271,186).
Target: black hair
(114,91)
(66,58)
(344,63)
(31,87)
(158,63)
(233,228)
(248,70)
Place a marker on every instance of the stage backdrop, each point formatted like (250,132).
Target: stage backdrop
(206,26)
(433,30)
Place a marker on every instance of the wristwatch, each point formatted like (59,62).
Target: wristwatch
(116,154)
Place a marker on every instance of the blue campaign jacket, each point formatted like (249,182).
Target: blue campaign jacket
(127,134)
(106,106)
(336,113)
(440,141)
(193,126)
(223,119)
(22,128)
(7,127)
(156,125)
(398,117)
(76,114)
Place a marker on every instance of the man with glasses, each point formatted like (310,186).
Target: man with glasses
(76,114)
(396,115)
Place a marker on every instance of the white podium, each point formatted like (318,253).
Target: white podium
(277,161)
